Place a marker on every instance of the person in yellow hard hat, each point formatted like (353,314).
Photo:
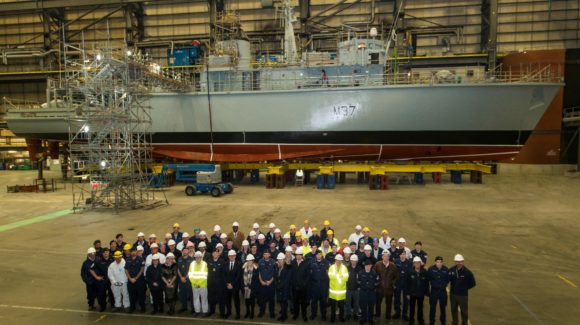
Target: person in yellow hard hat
(176,235)
(118,278)
(315,238)
(385,240)
(338,277)
(331,238)
(127,251)
(343,245)
(298,240)
(325,229)
(292,233)
(367,236)
(306,231)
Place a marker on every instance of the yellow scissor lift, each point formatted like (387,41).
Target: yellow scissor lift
(375,173)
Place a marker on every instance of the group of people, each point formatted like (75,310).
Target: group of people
(299,270)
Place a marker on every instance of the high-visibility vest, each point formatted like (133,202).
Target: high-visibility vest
(198,274)
(337,284)
(306,249)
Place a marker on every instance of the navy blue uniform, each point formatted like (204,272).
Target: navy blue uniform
(90,281)
(155,284)
(438,281)
(422,255)
(137,289)
(367,282)
(352,291)
(101,267)
(177,237)
(283,289)
(185,291)
(318,287)
(418,288)
(216,286)
(401,287)
(267,293)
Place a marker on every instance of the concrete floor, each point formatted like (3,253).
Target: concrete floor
(518,236)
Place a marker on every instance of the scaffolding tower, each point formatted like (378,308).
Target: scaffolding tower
(107,90)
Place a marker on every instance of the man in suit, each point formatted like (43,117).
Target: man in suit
(236,236)
(233,276)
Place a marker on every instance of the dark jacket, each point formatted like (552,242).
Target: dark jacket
(417,283)
(368,281)
(352,283)
(461,280)
(404,269)
(319,273)
(153,276)
(85,271)
(438,279)
(389,275)
(283,278)
(233,277)
(300,276)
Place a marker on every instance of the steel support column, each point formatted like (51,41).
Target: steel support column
(488,41)
(134,27)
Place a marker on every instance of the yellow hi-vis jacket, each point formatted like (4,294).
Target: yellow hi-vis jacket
(338,277)
(198,274)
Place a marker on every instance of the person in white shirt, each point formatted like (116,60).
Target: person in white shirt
(183,242)
(118,278)
(356,235)
(306,231)
(149,259)
(385,240)
(402,246)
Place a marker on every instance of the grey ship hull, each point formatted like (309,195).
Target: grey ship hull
(487,121)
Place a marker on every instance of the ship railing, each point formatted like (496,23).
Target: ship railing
(14,103)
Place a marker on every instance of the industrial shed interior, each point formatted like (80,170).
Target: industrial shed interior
(452,124)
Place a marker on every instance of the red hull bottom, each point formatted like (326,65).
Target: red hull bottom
(273,152)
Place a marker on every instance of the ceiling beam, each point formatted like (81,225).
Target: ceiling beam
(36,5)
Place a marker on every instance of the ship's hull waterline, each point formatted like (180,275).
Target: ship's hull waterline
(489,121)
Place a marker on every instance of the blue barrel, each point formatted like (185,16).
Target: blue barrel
(331,181)
(419,180)
(320,181)
(456,176)
(254,176)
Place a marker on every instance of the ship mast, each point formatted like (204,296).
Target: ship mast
(290,51)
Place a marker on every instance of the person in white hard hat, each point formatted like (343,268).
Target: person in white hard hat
(198,276)
(278,239)
(149,259)
(252,238)
(352,293)
(233,279)
(286,241)
(244,251)
(215,237)
(300,280)
(367,255)
(169,278)
(142,242)
(289,252)
(356,235)
(88,277)
(183,242)
(171,249)
(388,275)
(262,245)
(270,233)
(205,255)
(251,284)
(236,236)
(338,279)
(417,289)
(403,246)
(462,280)
(283,291)
(163,247)
(155,283)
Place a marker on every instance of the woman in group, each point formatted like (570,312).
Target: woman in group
(251,284)
(169,277)
(244,251)
(155,283)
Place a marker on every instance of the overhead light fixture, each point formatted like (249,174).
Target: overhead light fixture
(129,53)
(99,57)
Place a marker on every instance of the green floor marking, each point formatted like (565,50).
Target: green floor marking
(26,222)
